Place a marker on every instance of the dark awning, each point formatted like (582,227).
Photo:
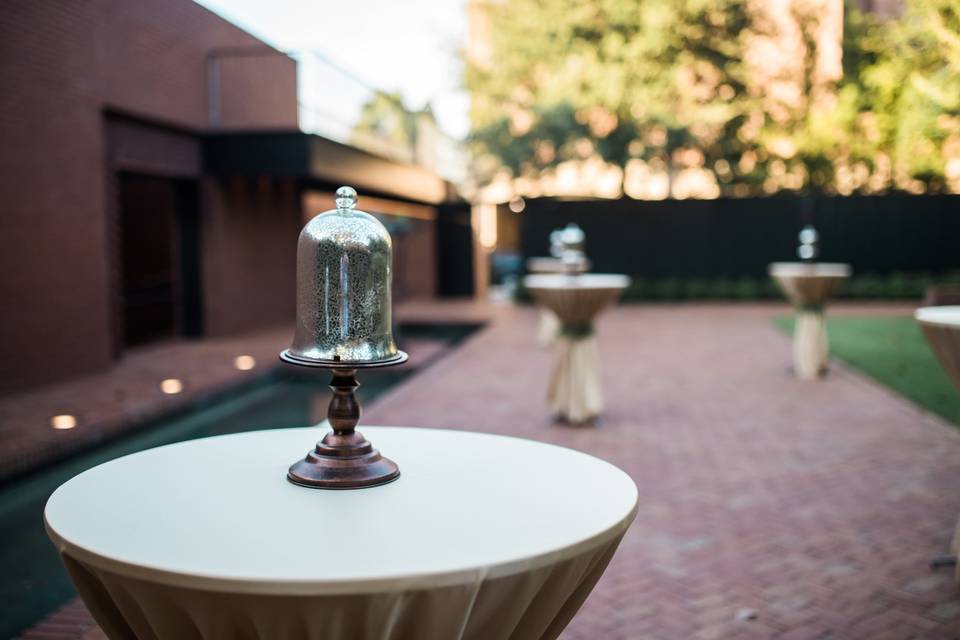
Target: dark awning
(302,155)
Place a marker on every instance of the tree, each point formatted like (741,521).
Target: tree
(620,80)
(686,85)
(386,126)
(912,91)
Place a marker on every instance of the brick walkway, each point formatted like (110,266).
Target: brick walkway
(770,508)
(812,508)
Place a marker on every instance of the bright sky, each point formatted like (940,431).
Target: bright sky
(410,46)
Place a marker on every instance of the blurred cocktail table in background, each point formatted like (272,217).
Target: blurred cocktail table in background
(574,391)
(807,286)
(941,328)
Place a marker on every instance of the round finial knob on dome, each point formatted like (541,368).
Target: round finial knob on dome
(346,198)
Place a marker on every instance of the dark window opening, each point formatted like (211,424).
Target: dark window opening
(159,255)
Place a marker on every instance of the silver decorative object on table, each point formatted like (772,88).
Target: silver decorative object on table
(343,288)
(573,238)
(809,249)
(572,255)
(566,253)
(556,243)
(343,324)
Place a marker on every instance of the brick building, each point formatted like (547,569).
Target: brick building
(154,180)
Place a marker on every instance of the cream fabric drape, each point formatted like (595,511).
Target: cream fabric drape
(810,348)
(574,391)
(532,605)
(548,329)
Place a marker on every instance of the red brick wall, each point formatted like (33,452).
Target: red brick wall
(250,233)
(61,65)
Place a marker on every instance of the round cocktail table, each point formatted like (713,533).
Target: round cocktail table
(808,286)
(482,537)
(574,391)
(941,328)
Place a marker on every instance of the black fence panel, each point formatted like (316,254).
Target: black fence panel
(734,238)
(454,251)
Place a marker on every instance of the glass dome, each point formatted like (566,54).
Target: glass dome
(343,289)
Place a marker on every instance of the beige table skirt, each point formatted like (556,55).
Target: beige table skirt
(536,604)
(810,347)
(574,391)
(548,328)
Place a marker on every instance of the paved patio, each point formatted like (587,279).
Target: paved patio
(770,508)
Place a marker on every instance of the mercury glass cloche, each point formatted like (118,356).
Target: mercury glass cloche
(343,289)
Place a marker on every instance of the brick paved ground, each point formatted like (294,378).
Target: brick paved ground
(814,505)
(770,508)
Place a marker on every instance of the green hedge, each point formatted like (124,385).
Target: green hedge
(898,286)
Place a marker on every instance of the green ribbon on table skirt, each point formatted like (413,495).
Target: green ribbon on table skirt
(810,307)
(576,331)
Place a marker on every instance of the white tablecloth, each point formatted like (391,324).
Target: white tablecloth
(482,537)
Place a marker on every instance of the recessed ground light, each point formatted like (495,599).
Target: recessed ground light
(171,386)
(244,363)
(63,422)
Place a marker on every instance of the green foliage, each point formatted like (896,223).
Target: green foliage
(913,88)
(616,79)
(385,117)
(671,83)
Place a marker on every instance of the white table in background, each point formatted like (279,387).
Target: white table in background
(808,286)
(941,328)
(482,537)
(574,391)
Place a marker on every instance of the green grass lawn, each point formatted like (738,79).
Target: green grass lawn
(893,352)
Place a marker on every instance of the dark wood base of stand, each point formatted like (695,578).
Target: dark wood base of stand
(344,459)
(343,462)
